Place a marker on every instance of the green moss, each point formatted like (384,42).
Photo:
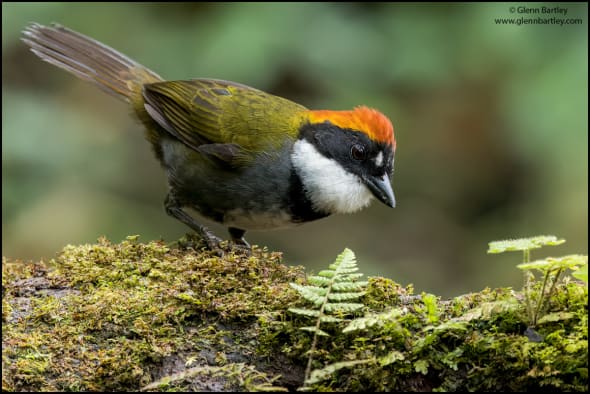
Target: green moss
(105,316)
(477,344)
(383,292)
(124,316)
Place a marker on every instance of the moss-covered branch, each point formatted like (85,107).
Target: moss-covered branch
(134,316)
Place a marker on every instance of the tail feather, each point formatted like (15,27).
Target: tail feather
(90,60)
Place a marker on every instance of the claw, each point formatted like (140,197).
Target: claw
(211,239)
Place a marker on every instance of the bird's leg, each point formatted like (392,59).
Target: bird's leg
(174,209)
(237,236)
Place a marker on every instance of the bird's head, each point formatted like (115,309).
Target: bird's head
(345,158)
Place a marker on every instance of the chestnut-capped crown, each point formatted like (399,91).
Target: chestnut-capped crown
(366,120)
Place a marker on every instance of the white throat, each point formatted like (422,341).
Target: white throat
(329,187)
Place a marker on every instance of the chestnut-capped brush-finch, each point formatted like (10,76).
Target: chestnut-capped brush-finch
(235,154)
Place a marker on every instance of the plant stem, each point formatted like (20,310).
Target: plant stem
(527,297)
(315,335)
(527,288)
(541,309)
(541,298)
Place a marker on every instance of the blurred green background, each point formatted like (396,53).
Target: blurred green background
(491,122)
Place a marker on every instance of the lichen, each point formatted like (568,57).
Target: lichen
(131,315)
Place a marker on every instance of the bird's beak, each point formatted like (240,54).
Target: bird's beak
(381,188)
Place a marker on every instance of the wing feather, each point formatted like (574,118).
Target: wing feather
(208,111)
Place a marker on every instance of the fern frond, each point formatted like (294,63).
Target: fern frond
(349,286)
(330,291)
(330,319)
(371,320)
(319,375)
(319,280)
(311,293)
(308,289)
(344,270)
(345,296)
(347,277)
(509,245)
(315,330)
(327,273)
(342,307)
(304,312)
(391,357)
(572,261)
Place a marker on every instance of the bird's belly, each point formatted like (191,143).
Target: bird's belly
(251,197)
(258,220)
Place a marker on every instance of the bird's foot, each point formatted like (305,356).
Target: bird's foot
(205,238)
(200,240)
(210,239)
(241,246)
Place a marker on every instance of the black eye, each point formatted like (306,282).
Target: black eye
(358,152)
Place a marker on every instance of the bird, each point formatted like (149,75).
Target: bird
(237,155)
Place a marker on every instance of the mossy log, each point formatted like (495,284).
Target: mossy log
(149,316)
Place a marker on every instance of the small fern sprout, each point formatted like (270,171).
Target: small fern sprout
(331,292)
(550,268)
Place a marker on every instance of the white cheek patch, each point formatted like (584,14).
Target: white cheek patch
(327,184)
(378,160)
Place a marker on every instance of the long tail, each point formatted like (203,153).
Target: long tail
(90,60)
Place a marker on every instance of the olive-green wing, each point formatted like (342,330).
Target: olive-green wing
(208,111)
